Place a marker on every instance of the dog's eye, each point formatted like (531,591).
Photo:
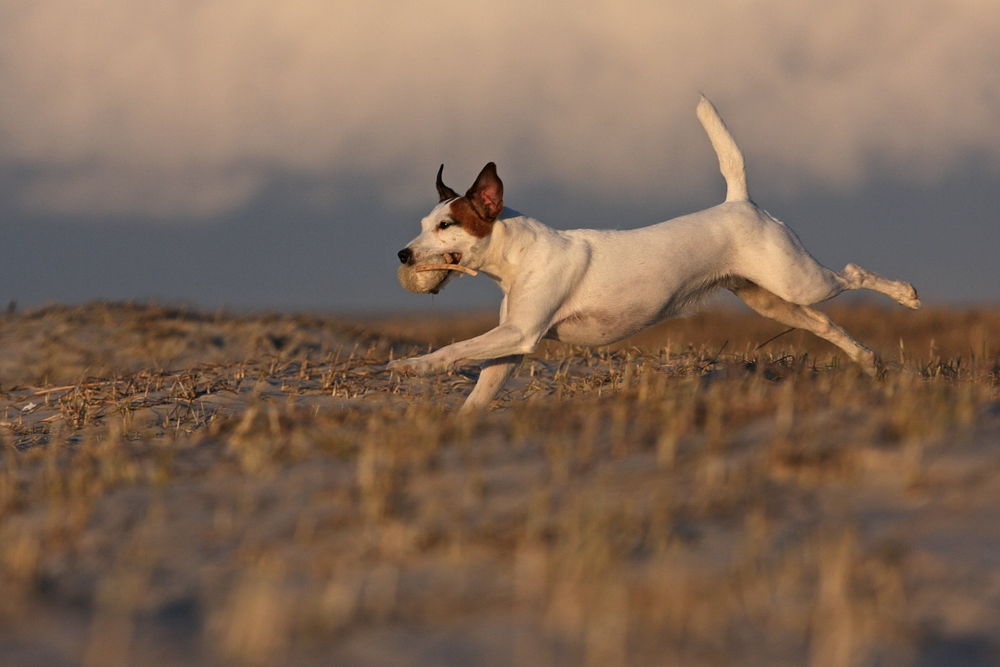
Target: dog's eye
(445,224)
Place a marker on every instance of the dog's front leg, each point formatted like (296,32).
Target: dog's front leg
(505,340)
(495,373)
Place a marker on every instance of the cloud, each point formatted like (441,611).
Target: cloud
(188,108)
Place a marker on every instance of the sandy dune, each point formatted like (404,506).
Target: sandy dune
(193,488)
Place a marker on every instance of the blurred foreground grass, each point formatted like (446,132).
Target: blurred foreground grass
(188,488)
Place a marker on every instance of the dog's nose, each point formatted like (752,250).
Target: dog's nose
(405,256)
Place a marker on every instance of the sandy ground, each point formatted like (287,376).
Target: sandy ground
(186,488)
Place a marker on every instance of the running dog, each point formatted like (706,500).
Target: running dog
(594,287)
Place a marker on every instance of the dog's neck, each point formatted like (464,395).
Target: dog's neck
(511,237)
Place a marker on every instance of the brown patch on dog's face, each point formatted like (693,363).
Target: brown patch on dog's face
(462,211)
(478,209)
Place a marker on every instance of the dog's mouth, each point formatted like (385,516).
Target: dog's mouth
(433,273)
(452,260)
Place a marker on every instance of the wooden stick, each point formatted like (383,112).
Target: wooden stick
(447,267)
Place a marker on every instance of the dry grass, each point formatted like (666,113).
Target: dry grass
(178,488)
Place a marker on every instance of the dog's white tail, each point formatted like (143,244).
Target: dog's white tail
(730,156)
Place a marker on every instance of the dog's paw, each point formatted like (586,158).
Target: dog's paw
(870,362)
(414,366)
(402,366)
(909,298)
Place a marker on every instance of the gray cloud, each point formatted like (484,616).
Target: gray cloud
(187,108)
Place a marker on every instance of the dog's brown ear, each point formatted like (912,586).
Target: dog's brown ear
(444,192)
(486,194)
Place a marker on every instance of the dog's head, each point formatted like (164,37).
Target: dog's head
(455,232)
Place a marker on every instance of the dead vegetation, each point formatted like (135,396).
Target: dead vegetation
(179,488)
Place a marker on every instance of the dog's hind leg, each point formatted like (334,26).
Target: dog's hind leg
(803,317)
(495,373)
(777,261)
(903,293)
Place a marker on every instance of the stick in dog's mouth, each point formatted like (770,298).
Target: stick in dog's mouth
(452,265)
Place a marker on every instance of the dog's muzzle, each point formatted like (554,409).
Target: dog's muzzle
(429,275)
(420,282)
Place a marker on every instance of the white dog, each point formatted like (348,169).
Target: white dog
(594,287)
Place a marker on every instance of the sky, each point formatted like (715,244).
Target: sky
(262,155)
